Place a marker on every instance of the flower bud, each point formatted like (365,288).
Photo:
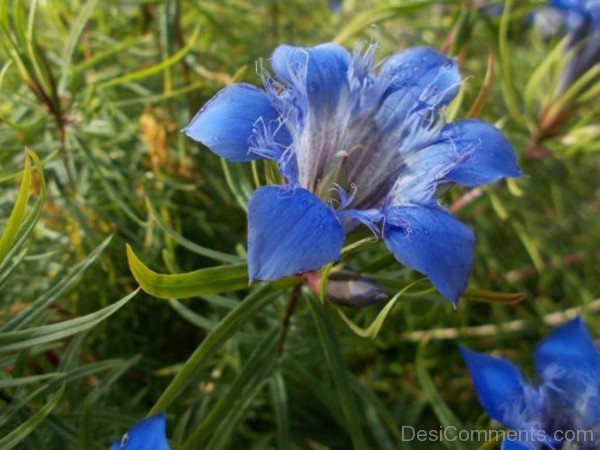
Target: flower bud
(347,289)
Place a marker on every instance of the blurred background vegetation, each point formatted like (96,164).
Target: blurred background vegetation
(99,91)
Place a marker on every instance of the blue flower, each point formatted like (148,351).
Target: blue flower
(567,398)
(149,434)
(355,147)
(582,20)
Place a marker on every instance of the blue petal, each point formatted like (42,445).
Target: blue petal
(321,71)
(569,347)
(483,153)
(569,5)
(226,123)
(469,152)
(149,434)
(423,73)
(428,239)
(499,386)
(515,445)
(290,231)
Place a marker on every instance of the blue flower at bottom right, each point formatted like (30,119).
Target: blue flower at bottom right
(563,410)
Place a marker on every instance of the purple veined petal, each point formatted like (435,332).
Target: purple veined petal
(226,124)
(431,241)
(569,347)
(500,388)
(468,152)
(322,71)
(290,231)
(482,154)
(149,434)
(424,74)
(316,79)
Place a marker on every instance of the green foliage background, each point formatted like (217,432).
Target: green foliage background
(99,91)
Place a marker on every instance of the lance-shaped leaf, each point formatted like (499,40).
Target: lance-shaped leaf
(213,280)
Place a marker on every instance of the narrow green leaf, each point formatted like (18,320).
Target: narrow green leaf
(486,86)
(333,353)
(209,281)
(17,340)
(76,28)
(508,89)
(381,13)
(224,433)
(530,245)
(144,73)
(114,193)
(19,126)
(318,388)
(369,397)
(13,438)
(211,344)
(28,224)
(280,405)
(36,308)
(198,249)
(11,230)
(238,183)
(41,71)
(373,330)
(441,410)
(486,296)
(14,382)
(535,80)
(324,281)
(189,315)
(254,372)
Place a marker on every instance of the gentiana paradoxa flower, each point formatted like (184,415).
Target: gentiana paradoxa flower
(357,143)
(149,434)
(563,411)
